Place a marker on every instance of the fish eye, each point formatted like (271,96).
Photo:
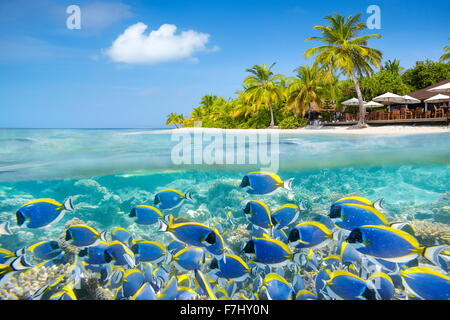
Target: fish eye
(156,201)
(247,208)
(294,235)
(132,213)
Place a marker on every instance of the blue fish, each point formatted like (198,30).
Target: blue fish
(305,295)
(94,254)
(352,215)
(231,268)
(310,235)
(145,215)
(260,182)
(382,284)
(346,285)
(259,214)
(189,258)
(45,250)
(386,243)
(120,254)
(81,235)
(170,291)
(277,288)
(195,234)
(378,205)
(170,199)
(426,283)
(5,229)
(269,251)
(133,280)
(286,215)
(122,235)
(42,212)
(150,251)
(145,292)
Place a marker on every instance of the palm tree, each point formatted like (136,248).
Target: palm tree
(345,51)
(393,66)
(446,55)
(304,90)
(263,88)
(175,119)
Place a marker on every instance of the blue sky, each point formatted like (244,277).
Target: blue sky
(54,77)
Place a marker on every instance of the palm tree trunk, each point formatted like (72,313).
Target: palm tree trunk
(272,122)
(362,109)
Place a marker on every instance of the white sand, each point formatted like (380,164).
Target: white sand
(341,130)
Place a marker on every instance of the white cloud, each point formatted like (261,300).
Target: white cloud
(135,46)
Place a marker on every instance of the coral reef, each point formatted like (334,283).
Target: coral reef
(431,233)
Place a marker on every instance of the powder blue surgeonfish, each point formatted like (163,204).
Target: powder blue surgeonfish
(120,254)
(195,234)
(170,199)
(286,215)
(382,284)
(259,214)
(260,182)
(122,235)
(145,215)
(45,250)
(94,254)
(426,283)
(346,285)
(387,243)
(359,200)
(133,279)
(310,235)
(81,235)
(352,215)
(231,268)
(305,295)
(145,292)
(42,212)
(189,258)
(277,288)
(150,251)
(269,251)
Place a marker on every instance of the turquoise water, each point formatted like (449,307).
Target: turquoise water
(107,172)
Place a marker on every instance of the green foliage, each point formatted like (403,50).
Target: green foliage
(426,73)
(292,122)
(382,82)
(269,99)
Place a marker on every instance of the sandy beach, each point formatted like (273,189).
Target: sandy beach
(384,130)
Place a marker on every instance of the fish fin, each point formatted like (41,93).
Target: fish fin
(432,253)
(130,260)
(168,258)
(302,206)
(103,236)
(288,184)
(188,196)
(163,225)
(68,205)
(378,205)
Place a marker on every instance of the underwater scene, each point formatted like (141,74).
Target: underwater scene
(106,214)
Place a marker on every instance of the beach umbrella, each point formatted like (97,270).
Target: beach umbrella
(438,98)
(442,88)
(372,104)
(410,100)
(351,102)
(389,98)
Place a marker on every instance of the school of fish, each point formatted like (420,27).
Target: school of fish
(352,252)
